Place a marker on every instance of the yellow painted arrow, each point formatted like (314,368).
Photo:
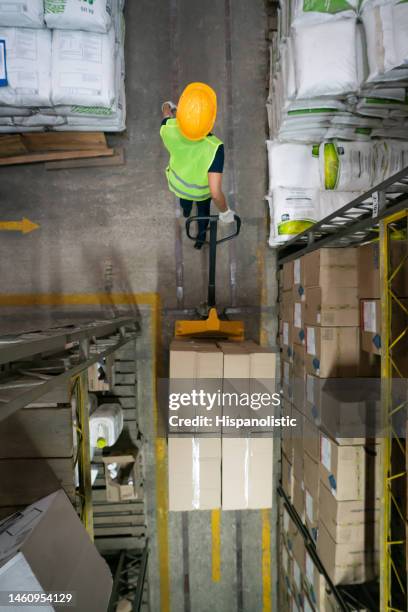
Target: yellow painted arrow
(25,226)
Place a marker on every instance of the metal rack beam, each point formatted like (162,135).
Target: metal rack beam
(354,223)
(393,582)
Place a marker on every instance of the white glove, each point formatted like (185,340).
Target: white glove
(173,107)
(227,216)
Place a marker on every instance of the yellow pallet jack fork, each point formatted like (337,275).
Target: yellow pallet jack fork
(211,326)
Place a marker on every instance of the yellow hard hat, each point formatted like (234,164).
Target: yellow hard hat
(196,111)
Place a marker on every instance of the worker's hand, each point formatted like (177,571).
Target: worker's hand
(169,109)
(227,216)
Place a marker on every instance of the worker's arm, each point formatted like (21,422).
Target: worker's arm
(217,195)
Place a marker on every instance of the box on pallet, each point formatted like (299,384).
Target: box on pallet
(315,582)
(331,306)
(287,446)
(347,470)
(332,352)
(194,468)
(331,268)
(350,563)
(287,476)
(298,322)
(298,496)
(297,444)
(349,521)
(311,493)
(247,473)
(298,567)
(344,411)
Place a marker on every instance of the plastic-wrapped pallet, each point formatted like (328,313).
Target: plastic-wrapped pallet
(28,67)
(74,15)
(291,211)
(326,58)
(292,165)
(386,28)
(22,13)
(83,68)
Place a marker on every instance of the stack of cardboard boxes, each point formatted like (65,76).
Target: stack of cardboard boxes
(216,465)
(327,460)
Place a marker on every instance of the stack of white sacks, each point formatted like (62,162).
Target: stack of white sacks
(65,65)
(338,89)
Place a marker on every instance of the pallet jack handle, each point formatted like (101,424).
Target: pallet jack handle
(213,242)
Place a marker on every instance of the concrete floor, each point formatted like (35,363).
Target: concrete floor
(122,221)
(117,230)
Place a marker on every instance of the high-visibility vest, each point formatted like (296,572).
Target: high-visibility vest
(187,172)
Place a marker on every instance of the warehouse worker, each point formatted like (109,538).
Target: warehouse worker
(196,163)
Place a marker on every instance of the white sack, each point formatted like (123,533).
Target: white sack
(28,67)
(346,166)
(386,30)
(15,111)
(74,15)
(332,201)
(292,165)
(292,211)
(22,13)
(83,68)
(318,11)
(326,58)
(39,120)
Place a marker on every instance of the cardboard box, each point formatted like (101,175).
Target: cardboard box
(369,270)
(247,476)
(298,567)
(350,563)
(194,468)
(284,592)
(286,306)
(297,444)
(331,267)
(298,279)
(289,529)
(195,365)
(311,439)
(287,446)
(344,411)
(286,379)
(332,352)
(287,476)
(298,500)
(298,322)
(343,469)
(315,583)
(331,306)
(349,521)
(311,493)
(287,272)
(248,369)
(299,373)
(127,485)
(45,548)
(371,335)
(286,338)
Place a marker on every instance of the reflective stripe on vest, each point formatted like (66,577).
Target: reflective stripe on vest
(187,173)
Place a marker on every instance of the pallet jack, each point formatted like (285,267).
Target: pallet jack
(210,325)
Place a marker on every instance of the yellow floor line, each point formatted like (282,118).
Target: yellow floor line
(216,544)
(266,563)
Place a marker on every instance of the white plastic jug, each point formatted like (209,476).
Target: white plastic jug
(105,425)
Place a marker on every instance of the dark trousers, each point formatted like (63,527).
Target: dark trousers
(203,210)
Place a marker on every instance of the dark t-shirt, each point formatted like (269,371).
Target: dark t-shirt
(218,162)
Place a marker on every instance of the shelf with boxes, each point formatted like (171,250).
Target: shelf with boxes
(332,465)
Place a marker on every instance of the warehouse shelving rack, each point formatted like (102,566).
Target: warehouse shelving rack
(34,365)
(376,215)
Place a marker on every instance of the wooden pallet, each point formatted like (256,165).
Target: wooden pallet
(29,148)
